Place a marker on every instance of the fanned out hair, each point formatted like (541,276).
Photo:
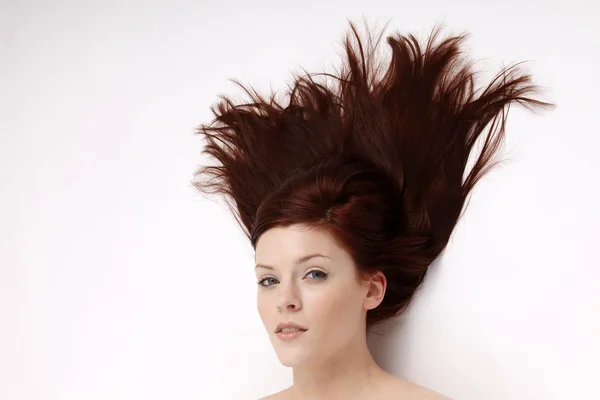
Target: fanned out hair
(376,160)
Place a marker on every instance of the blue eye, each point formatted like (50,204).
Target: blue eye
(261,282)
(322,275)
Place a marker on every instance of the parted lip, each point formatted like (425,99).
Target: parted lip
(282,325)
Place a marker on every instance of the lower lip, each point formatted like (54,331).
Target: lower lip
(287,336)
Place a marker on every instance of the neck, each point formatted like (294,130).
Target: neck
(351,372)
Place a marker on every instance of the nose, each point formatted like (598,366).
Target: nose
(289,298)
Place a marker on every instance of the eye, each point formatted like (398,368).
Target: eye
(320,274)
(262,281)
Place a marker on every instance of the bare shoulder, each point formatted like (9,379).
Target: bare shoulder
(398,387)
(283,395)
(393,389)
(428,394)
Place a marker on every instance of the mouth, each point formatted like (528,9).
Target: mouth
(287,335)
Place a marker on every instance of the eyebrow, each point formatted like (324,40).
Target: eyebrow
(298,261)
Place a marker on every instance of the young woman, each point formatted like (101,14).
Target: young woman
(349,192)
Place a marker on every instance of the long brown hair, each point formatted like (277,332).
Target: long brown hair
(376,159)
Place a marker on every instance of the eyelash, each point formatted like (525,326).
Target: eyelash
(325,274)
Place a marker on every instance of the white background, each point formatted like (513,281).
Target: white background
(119,281)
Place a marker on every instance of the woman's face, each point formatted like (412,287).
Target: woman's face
(322,294)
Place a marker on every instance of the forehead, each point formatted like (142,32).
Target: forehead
(281,244)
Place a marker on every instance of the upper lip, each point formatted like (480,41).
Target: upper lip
(282,325)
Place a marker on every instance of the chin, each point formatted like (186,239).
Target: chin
(290,361)
(292,357)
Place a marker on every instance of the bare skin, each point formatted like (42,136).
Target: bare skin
(387,387)
(326,296)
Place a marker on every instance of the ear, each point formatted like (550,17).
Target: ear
(376,285)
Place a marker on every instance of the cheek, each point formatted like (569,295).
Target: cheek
(263,306)
(336,308)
